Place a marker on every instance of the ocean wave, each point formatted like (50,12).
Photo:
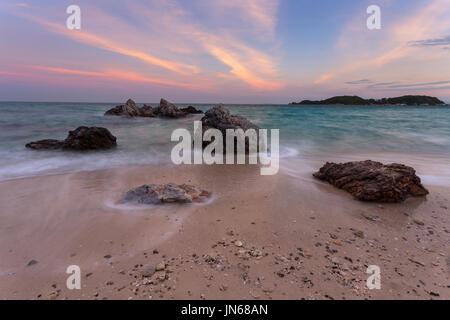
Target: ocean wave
(21,165)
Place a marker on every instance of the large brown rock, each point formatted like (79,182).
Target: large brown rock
(90,138)
(82,138)
(165,193)
(374,181)
(220,118)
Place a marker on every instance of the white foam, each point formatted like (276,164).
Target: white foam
(69,163)
(440,181)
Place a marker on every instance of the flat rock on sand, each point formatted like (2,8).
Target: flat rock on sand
(165,193)
(374,181)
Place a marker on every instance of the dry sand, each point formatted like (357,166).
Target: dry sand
(275,237)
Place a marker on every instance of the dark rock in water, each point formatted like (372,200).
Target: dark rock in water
(147,112)
(83,138)
(165,193)
(128,109)
(191,110)
(220,118)
(373,181)
(116,111)
(93,138)
(169,110)
(48,144)
(165,109)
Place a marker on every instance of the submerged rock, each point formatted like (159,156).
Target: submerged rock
(374,181)
(47,144)
(165,193)
(82,138)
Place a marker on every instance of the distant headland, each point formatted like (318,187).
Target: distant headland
(358,101)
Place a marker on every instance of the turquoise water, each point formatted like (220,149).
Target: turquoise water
(304,130)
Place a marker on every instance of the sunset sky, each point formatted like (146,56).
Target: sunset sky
(231,51)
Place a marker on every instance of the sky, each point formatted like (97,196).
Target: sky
(229,51)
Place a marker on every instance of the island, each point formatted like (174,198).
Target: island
(358,101)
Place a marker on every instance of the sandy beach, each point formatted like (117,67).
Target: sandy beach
(258,237)
(206,151)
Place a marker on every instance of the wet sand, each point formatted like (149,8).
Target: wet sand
(286,236)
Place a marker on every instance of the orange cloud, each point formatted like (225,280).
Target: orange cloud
(103,43)
(110,75)
(250,65)
(240,71)
(138,78)
(324,78)
(69,71)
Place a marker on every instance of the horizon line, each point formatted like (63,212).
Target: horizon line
(208,103)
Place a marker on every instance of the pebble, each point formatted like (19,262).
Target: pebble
(148,271)
(53,295)
(335,260)
(359,234)
(161,277)
(160,266)
(31,263)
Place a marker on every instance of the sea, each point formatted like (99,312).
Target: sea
(309,135)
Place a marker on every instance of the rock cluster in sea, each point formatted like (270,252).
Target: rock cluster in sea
(165,109)
(165,193)
(81,139)
(374,181)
